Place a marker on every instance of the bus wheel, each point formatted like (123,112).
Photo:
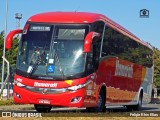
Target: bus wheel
(139,104)
(43,108)
(101,102)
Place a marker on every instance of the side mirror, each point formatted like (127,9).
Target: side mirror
(10,36)
(88,40)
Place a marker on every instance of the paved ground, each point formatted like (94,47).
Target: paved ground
(147,107)
(149,110)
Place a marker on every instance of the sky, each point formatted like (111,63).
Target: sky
(124,12)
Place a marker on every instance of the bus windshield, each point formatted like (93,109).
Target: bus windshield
(52,51)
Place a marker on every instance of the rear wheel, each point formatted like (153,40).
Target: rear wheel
(139,104)
(43,108)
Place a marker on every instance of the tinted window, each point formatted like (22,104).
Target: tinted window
(119,45)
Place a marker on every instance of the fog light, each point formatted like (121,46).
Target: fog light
(75,99)
(18,95)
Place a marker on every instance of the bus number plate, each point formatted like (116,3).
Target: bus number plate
(43,101)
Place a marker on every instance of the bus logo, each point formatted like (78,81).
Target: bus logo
(124,70)
(44,91)
(51,85)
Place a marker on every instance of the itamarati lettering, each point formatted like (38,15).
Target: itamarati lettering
(124,70)
(53,85)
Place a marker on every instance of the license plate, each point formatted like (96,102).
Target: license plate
(43,101)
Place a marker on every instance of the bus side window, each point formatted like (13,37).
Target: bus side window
(98,26)
(93,55)
(107,42)
(96,51)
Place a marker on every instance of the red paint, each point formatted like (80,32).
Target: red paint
(65,17)
(10,37)
(119,88)
(79,18)
(55,99)
(61,83)
(88,40)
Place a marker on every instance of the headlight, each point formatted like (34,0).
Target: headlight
(74,88)
(18,84)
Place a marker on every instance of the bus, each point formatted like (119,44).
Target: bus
(80,59)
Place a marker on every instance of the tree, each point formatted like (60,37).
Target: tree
(156,79)
(1,50)
(1,45)
(11,55)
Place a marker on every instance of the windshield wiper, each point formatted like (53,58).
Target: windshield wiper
(59,64)
(34,65)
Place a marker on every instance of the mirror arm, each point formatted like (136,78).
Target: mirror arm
(88,40)
(10,37)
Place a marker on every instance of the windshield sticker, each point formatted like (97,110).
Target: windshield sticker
(51,61)
(30,68)
(40,28)
(50,68)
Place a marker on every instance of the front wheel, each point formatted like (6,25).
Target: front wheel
(43,108)
(101,104)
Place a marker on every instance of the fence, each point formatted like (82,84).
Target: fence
(5,85)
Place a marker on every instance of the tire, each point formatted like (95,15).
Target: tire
(138,106)
(101,104)
(89,109)
(43,108)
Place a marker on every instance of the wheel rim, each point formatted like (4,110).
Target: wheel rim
(99,101)
(140,102)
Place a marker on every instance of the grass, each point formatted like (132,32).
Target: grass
(7,102)
(73,116)
(83,118)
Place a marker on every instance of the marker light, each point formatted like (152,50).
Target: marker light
(18,95)
(74,88)
(18,84)
(75,99)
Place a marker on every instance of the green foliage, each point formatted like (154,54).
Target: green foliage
(1,51)
(1,45)
(156,79)
(11,54)
(6,102)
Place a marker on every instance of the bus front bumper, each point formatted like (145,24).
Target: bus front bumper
(67,99)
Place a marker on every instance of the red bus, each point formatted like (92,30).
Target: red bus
(80,59)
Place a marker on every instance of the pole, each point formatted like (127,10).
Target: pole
(6,80)
(3,64)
